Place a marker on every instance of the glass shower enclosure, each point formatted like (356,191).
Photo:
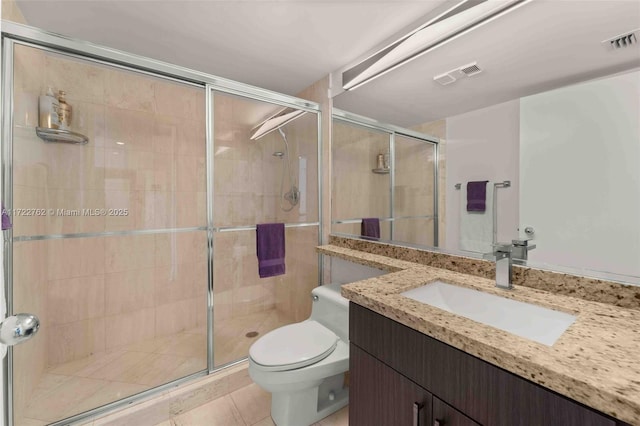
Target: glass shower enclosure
(133,235)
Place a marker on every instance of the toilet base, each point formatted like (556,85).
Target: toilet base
(305,407)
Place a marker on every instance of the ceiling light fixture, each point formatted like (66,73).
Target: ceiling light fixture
(449,25)
(275,122)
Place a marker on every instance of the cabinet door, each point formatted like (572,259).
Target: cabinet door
(446,415)
(379,396)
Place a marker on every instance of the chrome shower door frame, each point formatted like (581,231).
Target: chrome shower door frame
(13,34)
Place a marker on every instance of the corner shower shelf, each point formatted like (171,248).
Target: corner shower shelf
(61,136)
(384,171)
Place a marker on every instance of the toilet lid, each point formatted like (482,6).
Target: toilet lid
(293,346)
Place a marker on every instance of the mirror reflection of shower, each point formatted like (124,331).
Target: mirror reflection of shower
(289,192)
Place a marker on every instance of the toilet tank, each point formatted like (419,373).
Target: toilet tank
(331,309)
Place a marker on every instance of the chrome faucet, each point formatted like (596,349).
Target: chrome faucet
(503,254)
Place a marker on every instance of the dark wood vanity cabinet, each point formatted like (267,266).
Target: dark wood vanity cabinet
(446,415)
(388,398)
(381,396)
(400,376)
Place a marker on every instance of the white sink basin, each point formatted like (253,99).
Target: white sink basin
(532,322)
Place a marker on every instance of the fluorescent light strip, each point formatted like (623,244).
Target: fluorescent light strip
(489,12)
(366,63)
(275,123)
(458,8)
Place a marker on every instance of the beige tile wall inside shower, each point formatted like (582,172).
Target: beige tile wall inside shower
(247,182)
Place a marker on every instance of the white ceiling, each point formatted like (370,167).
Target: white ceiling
(287,45)
(538,47)
(279,45)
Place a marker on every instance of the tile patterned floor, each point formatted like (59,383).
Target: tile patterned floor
(77,386)
(248,406)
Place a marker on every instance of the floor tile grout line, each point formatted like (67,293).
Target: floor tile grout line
(235,405)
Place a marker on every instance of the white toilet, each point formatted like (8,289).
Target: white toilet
(303,364)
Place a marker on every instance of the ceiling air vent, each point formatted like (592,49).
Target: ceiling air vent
(444,79)
(456,73)
(470,69)
(623,40)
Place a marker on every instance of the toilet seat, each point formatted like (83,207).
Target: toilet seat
(293,346)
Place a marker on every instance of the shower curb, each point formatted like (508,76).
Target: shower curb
(178,400)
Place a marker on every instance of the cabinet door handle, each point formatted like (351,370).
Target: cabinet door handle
(417,407)
(437,422)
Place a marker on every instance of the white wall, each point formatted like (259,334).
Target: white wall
(343,271)
(580,167)
(483,145)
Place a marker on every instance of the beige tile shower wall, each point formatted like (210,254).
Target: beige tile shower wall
(354,229)
(302,136)
(146,152)
(238,164)
(238,289)
(29,258)
(319,92)
(293,297)
(414,190)
(357,191)
(135,288)
(414,179)
(247,191)
(414,231)
(439,130)
(146,155)
(30,359)
(247,174)
(11,12)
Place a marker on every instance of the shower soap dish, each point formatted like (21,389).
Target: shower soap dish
(382,171)
(61,136)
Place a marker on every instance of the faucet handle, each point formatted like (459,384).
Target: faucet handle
(502,247)
(524,243)
(500,251)
(495,256)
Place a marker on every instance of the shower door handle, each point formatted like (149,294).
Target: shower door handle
(18,328)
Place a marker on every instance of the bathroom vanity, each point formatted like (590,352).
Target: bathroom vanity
(400,376)
(415,364)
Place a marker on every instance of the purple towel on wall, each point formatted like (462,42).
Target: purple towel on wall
(6,220)
(270,249)
(477,196)
(370,227)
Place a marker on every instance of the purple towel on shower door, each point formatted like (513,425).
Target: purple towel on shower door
(477,196)
(6,220)
(370,227)
(270,248)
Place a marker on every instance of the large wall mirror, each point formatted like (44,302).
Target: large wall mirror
(553,109)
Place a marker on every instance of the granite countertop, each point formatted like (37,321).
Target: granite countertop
(596,361)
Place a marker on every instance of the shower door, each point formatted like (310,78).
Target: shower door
(415,192)
(385,172)
(360,188)
(259,164)
(109,243)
